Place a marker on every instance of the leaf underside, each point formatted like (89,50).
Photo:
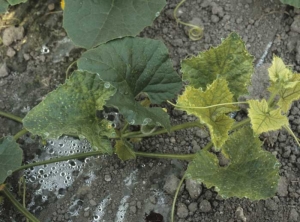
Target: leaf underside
(252,172)
(71,109)
(136,114)
(215,117)
(230,60)
(136,67)
(10,157)
(92,22)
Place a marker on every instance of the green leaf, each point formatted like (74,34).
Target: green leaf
(218,123)
(284,83)
(3,6)
(263,119)
(15,2)
(295,3)
(135,66)
(124,150)
(71,109)
(136,114)
(92,22)
(230,61)
(10,157)
(252,172)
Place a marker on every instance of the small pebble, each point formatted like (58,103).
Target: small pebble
(51,7)
(107,177)
(93,202)
(205,206)
(182,211)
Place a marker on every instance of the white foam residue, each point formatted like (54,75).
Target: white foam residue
(100,210)
(120,217)
(130,180)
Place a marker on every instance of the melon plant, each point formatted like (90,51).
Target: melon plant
(134,77)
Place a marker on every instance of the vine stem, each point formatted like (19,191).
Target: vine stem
(206,107)
(175,198)
(19,206)
(11,116)
(59,159)
(20,133)
(187,157)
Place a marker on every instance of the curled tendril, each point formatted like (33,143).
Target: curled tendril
(146,130)
(195,32)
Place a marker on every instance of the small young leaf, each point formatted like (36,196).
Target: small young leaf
(287,96)
(71,109)
(230,61)
(263,119)
(124,150)
(10,157)
(135,66)
(278,72)
(218,123)
(92,22)
(284,83)
(3,6)
(252,171)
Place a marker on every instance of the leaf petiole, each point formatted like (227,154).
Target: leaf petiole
(175,198)
(11,116)
(19,206)
(161,131)
(207,107)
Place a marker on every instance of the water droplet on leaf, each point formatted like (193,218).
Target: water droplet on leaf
(157,14)
(9,172)
(107,85)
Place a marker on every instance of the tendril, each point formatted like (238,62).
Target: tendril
(195,31)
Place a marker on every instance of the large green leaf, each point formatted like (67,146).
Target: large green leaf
(71,109)
(230,60)
(295,3)
(252,171)
(134,66)
(10,157)
(92,22)
(194,101)
(15,2)
(3,6)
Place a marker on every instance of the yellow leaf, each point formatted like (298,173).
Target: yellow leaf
(263,119)
(287,96)
(284,83)
(194,100)
(278,72)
